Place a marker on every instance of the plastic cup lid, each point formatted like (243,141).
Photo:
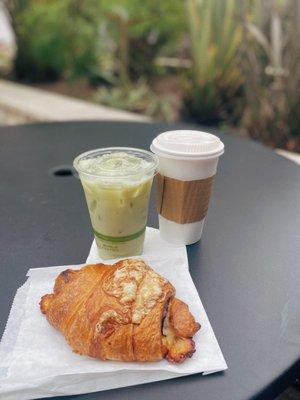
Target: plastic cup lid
(187,144)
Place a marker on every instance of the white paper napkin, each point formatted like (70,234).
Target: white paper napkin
(35,360)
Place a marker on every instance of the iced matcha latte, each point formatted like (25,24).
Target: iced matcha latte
(117,184)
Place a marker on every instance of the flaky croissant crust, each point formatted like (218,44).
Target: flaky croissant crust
(124,311)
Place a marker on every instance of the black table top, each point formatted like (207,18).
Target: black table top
(246,267)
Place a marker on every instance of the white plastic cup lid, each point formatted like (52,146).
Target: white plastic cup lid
(187,144)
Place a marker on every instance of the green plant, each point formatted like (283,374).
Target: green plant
(215,78)
(140,34)
(55,38)
(272,75)
(138,98)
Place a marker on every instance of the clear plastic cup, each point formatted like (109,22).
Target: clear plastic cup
(117,183)
(186,156)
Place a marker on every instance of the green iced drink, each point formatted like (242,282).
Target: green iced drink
(117,184)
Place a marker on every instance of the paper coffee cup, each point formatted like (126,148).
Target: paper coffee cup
(187,166)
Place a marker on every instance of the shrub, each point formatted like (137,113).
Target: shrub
(138,98)
(141,33)
(215,78)
(272,75)
(54,38)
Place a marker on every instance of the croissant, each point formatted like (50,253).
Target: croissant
(124,312)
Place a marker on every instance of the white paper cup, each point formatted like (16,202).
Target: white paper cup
(185,155)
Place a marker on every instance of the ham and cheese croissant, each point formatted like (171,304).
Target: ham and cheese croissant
(124,311)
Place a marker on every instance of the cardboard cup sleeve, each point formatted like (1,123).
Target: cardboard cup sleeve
(183,201)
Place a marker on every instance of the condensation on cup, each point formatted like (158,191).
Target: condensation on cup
(188,162)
